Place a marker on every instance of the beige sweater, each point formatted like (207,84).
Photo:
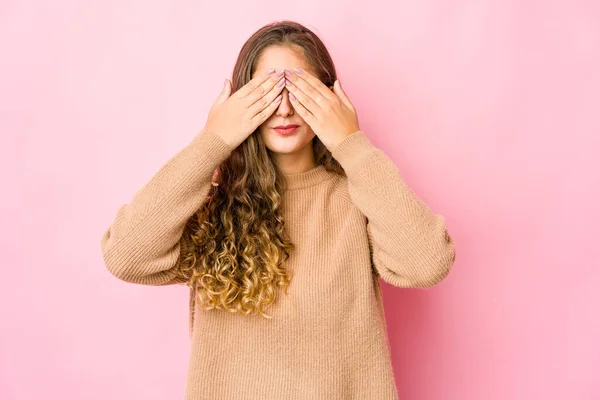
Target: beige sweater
(327,339)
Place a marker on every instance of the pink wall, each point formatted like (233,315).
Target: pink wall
(489,108)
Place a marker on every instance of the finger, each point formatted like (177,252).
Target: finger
(306,115)
(317,98)
(264,101)
(265,113)
(337,89)
(257,94)
(310,84)
(304,99)
(224,93)
(254,83)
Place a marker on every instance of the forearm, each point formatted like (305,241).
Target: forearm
(411,246)
(142,245)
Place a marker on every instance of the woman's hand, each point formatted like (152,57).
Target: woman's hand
(235,118)
(329,113)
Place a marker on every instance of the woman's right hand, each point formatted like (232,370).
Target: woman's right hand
(235,117)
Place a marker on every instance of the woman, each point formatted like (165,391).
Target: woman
(280,215)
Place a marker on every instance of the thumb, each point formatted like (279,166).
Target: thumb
(337,89)
(224,95)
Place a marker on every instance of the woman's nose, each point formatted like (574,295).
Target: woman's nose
(285,107)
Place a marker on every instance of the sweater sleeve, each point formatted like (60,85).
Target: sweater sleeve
(410,246)
(143,242)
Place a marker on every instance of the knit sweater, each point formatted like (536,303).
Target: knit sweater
(327,339)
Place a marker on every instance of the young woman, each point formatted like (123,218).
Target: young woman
(280,216)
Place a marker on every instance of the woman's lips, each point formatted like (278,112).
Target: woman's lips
(287,130)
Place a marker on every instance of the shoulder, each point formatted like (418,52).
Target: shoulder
(339,189)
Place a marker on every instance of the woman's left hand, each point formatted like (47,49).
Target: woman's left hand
(328,112)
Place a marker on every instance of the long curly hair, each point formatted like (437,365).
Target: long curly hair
(237,241)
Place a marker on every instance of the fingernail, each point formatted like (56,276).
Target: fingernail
(299,71)
(281,82)
(278,99)
(288,72)
(280,72)
(292,97)
(270,72)
(288,83)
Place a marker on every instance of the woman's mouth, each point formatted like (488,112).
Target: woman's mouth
(286,129)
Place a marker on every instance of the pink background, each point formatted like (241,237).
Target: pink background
(490,109)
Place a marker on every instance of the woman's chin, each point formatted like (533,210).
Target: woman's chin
(287,144)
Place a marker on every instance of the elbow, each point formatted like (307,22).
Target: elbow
(111,263)
(126,267)
(436,263)
(423,271)
(134,273)
(122,261)
(439,266)
(117,261)
(439,270)
(119,270)
(120,275)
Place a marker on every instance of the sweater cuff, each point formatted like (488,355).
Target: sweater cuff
(353,149)
(211,145)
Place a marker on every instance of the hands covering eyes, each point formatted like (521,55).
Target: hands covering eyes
(329,112)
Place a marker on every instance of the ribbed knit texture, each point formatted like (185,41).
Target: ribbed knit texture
(328,338)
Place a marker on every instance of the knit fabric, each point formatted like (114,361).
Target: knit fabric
(327,339)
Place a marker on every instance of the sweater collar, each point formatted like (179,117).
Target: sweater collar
(308,178)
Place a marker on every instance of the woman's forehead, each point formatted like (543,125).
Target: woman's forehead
(281,57)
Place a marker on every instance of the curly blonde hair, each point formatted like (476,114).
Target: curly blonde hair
(237,241)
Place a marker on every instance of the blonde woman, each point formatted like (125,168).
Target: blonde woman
(280,216)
